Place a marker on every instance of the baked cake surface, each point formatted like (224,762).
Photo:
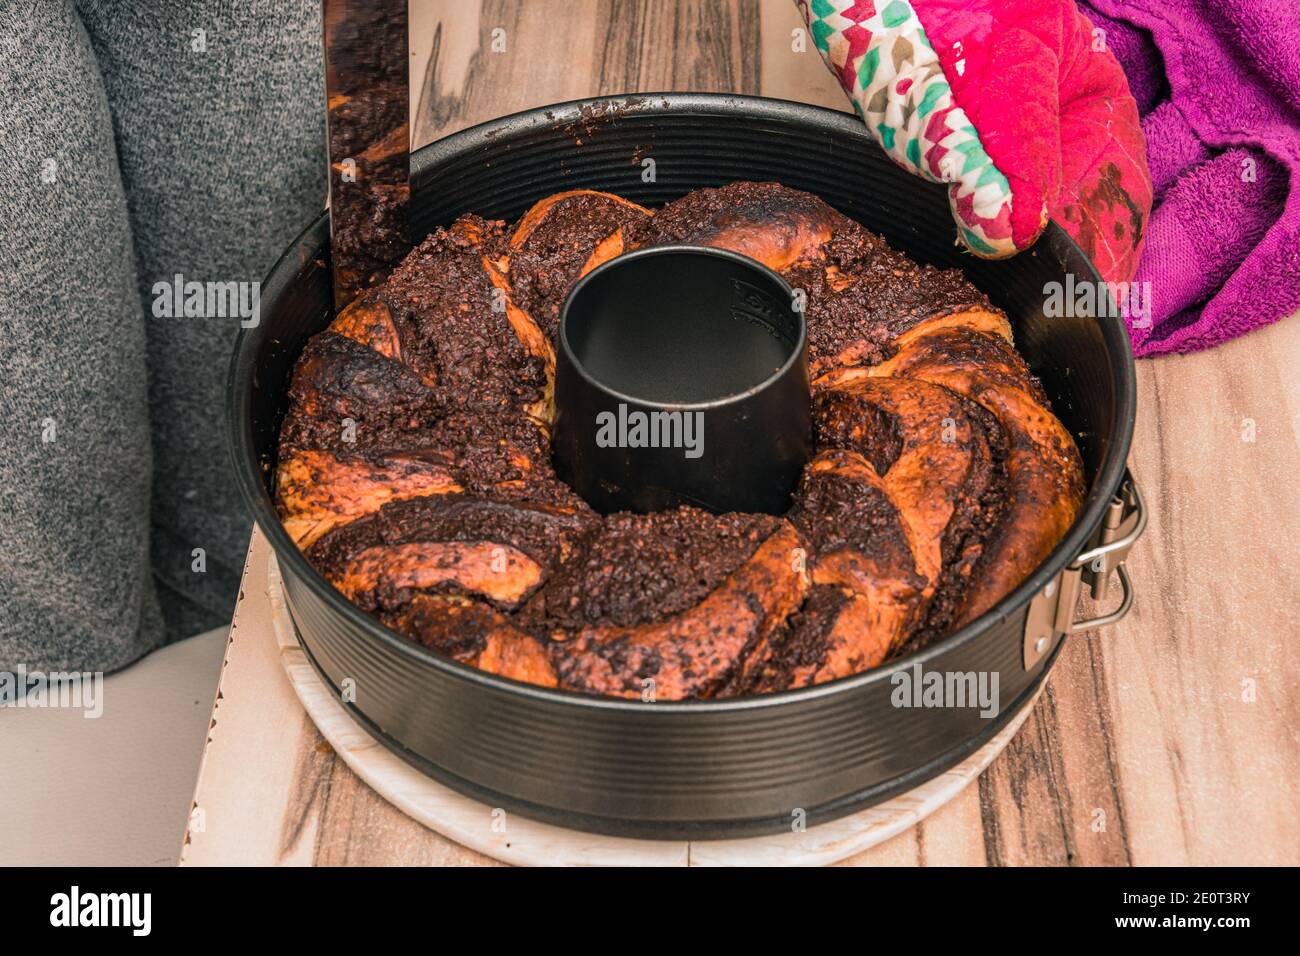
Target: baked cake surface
(415,473)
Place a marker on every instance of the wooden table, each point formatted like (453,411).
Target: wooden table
(1170,738)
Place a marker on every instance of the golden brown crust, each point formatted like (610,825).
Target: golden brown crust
(557,241)
(476,635)
(878,571)
(540,210)
(319,490)
(766,221)
(936,456)
(988,321)
(498,572)
(535,344)
(1044,471)
(609,247)
(369,321)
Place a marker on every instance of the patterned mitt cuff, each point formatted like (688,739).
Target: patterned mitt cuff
(891,72)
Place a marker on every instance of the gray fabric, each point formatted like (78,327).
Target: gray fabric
(166,159)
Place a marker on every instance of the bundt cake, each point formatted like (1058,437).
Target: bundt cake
(414,467)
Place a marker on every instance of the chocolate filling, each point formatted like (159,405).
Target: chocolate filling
(841,422)
(864,294)
(345,397)
(640,569)
(802,643)
(452,321)
(980,508)
(457,628)
(542,533)
(544,268)
(835,511)
(702,215)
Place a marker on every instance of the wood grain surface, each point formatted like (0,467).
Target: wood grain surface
(1170,738)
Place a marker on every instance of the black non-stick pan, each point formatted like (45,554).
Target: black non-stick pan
(709,768)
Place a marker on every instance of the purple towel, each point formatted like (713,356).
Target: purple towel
(1218,85)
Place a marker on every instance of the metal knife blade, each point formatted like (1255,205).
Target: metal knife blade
(367,98)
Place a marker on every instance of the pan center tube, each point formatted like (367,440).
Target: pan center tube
(682,379)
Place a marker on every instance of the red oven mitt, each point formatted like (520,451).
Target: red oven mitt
(1017,104)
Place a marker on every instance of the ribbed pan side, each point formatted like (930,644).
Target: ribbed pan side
(708,769)
(638,770)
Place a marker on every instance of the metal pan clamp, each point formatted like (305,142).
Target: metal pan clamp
(1052,610)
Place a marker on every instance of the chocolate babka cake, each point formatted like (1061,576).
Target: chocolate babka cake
(415,473)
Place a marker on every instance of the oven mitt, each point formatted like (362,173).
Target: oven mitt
(1017,104)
